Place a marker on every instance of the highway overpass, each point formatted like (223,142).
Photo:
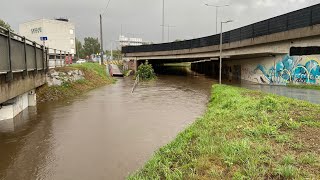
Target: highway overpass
(278,50)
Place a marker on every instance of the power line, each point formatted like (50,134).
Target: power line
(106,8)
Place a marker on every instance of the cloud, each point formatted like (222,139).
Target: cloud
(142,18)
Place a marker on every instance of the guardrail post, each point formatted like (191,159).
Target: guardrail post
(47,59)
(9,76)
(60,58)
(43,59)
(35,57)
(25,72)
(65,54)
(69,58)
(55,57)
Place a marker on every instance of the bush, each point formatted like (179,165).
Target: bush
(146,72)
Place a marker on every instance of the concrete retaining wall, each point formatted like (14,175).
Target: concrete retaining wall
(279,69)
(20,85)
(13,107)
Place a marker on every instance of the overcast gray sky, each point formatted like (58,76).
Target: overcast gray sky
(142,18)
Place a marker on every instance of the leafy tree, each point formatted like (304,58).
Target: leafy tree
(146,72)
(5,25)
(91,46)
(80,50)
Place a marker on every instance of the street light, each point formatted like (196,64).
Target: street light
(163,21)
(217,8)
(220,66)
(168,26)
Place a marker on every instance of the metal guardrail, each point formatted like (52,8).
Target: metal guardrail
(135,83)
(21,55)
(297,19)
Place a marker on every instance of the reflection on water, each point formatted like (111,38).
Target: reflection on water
(104,134)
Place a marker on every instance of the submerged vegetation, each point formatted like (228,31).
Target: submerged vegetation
(94,76)
(146,72)
(244,134)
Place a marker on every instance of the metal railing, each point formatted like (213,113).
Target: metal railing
(21,55)
(136,82)
(297,19)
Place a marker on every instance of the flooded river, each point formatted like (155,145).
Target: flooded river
(104,134)
(108,132)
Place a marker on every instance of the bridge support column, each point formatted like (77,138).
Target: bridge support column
(11,108)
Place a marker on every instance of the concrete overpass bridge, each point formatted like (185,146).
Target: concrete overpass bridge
(278,50)
(23,67)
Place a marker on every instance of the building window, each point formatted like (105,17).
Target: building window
(71,31)
(72,41)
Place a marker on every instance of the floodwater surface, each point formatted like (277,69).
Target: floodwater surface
(105,134)
(109,132)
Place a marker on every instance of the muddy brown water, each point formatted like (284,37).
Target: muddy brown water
(108,132)
(104,134)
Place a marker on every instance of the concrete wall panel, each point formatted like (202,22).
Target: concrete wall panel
(19,85)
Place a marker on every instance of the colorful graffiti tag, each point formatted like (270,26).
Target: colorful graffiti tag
(291,70)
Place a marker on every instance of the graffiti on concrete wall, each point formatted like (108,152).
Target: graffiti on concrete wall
(290,69)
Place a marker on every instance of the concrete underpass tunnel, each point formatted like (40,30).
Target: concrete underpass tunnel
(207,67)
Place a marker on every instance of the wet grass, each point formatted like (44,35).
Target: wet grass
(94,74)
(243,135)
(305,86)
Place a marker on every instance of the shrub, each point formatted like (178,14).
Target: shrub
(146,72)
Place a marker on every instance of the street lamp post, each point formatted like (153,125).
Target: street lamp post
(220,63)
(163,20)
(217,9)
(168,26)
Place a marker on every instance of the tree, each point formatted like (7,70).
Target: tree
(80,50)
(91,46)
(5,25)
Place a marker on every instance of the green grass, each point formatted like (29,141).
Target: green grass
(305,86)
(244,134)
(94,74)
(93,67)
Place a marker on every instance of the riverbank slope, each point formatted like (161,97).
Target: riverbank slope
(94,75)
(244,134)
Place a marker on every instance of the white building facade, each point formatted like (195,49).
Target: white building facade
(126,41)
(60,34)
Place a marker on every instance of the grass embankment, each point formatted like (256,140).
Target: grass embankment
(94,74)
(305,86)
(244,134)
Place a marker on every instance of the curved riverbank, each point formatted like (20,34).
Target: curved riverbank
(244,134)
(94,75)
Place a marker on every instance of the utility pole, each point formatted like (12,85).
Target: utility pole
(111,51)
(168,26)
(163,26)
(101,41)
(220,59)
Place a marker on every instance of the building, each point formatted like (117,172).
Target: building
(60,34)
(126,41)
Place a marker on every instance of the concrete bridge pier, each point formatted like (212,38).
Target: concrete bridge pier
(209,68)
(12,107)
